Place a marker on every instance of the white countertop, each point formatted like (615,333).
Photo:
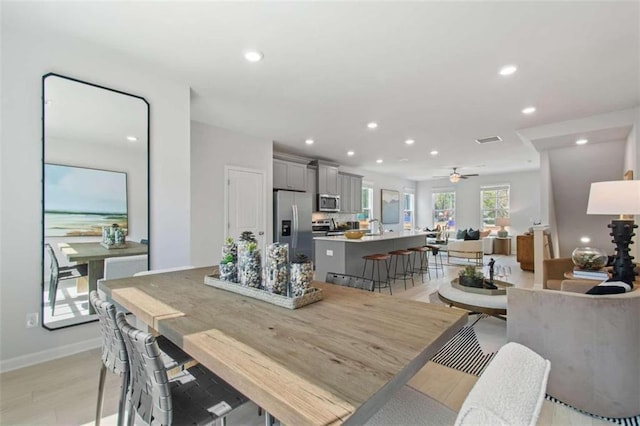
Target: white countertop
(370,238)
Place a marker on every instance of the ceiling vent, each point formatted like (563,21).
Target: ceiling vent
(490,139)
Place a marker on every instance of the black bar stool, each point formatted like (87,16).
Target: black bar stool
(376,259)
(436,252)
(406,266)
(421,254)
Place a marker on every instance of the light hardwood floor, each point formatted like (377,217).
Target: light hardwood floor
(64,391)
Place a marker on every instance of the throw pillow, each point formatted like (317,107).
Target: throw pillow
(461,234)
(610,287)
(472,235)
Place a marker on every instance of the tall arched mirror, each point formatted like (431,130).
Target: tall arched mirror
(95,193)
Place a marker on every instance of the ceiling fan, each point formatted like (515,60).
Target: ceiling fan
(455,176)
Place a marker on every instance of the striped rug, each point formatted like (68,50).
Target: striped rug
(464,353)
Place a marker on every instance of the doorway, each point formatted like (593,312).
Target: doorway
(245,199)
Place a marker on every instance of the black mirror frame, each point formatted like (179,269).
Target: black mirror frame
(42,233)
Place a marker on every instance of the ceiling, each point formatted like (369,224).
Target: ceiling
(427,71)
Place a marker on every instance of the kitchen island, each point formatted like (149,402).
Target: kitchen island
(344,256)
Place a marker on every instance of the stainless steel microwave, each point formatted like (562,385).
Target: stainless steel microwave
(328,203)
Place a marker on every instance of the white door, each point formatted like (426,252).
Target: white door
(245,203)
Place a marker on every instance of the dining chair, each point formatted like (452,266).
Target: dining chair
(116,360)
(160,271)
(126,266)
(57,273)
(197,396)
(350,281)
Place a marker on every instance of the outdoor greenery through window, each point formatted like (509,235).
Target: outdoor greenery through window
(409,207)
(444,209)
(494,201)
(367,203)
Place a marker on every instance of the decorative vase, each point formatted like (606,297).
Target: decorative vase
(276,261)
(229,262)
(589,258)
(301,275)
(249,264)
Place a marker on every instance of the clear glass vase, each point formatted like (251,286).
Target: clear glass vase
(589,258)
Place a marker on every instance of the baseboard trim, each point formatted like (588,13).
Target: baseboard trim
(48,355)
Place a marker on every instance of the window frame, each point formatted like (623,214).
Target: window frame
(366,187)
(451,222)
(498,211)
(412,209)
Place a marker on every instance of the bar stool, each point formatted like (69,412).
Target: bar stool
(376,259)
(421,253)
(436,252)
(406,266)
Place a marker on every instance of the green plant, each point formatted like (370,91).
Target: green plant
(300,258)
(229,241)
(470,271)
(252,246)
(228,258)
(248,236)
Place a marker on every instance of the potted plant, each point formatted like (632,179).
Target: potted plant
(470,277)
(301,275)
(249,261)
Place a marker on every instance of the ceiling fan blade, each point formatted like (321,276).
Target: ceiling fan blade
(472,174)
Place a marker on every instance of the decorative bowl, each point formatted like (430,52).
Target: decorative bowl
(354,235)
(589,258)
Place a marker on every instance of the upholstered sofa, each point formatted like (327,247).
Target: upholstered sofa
(593,343)
(469,249)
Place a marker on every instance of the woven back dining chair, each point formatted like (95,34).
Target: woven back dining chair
(57,273)
(350,281)
(195,397)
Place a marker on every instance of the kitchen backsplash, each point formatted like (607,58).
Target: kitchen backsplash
(340,218)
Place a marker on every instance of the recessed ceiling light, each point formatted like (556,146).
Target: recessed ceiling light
(585,240)
(581,141)
(434,152)
(350,153)
(372,125)
(132,138)
(309,141)
(529,110)
(508,70)
(409,141)
(379,160)
(253,56)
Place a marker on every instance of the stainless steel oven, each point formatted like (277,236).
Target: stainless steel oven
(328,203)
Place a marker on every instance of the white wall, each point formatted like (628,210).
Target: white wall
(213,148)
(25,58)
(380,182)
(524,203)
(573,169)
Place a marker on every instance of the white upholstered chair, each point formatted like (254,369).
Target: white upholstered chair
(126,266)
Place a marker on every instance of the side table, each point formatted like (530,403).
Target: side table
(502,246)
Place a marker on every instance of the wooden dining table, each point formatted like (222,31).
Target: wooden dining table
(336,361)
(94,254)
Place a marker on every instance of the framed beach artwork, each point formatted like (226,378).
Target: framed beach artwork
(79,201)
(390,206)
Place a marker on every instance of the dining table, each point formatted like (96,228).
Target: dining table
(94,254)
(332,362)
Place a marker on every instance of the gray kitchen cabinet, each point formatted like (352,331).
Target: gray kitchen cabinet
(289,175)
(328,179)
(312,186)
(350,193)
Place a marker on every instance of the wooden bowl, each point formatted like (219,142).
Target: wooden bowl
(353,234)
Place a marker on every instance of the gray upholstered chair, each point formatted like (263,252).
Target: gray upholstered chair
(114,354)
(196,397)
(593,343)
(350,281)
(58,273)
(125,266)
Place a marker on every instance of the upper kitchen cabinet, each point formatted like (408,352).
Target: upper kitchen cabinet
(289,175)
(327,178)
(312,185)
(350,193)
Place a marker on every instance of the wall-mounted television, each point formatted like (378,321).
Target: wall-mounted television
(79,201)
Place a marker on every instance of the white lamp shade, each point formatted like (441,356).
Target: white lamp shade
(503,221)
(614,197)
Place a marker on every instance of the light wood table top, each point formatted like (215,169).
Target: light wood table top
(332,362)
(84,252)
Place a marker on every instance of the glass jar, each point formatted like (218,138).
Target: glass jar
(589,258)
(277,268)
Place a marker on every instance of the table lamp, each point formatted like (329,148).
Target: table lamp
(620,197)
(502,222)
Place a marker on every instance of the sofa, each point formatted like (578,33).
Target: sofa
(469,249)
(592,341)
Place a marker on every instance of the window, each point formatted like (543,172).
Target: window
(444,209)
(409,207)
(367,203)
(494,202)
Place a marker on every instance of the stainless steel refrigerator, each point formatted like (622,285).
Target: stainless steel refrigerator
(292,222)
